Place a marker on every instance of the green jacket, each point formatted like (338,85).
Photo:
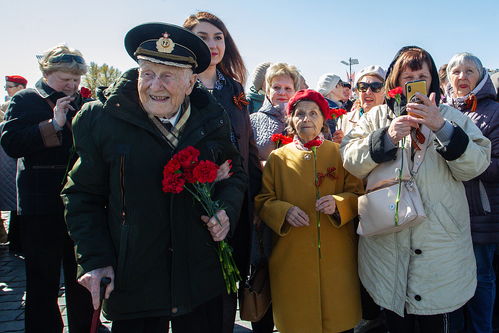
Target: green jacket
(163,256)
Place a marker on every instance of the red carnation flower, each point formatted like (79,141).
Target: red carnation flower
(173,183)
(312,143)
(187,157)
(171,167)
(205,172)
(338,112)
(189,175)
(85,92)
(280,139)
(394,92)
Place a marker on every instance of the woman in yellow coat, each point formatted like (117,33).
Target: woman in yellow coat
(313,265)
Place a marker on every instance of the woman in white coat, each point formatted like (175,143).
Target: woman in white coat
(423,272)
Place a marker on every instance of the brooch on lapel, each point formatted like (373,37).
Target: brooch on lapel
(331,173)
(240,101)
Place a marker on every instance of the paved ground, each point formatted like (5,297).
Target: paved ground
(12,296)
(12,293)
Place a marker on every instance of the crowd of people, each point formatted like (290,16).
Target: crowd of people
(84,181)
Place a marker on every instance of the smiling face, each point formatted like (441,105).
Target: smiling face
(65,82)
(408,75)
(162,89)
(464,78)
(282,88)
(369,98)
(214,38)
(307,120)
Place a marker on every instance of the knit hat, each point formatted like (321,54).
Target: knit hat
(16,79)
(370,70)
(326,83)
(259,75)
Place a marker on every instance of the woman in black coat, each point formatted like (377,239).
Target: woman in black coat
(224,78)
(38,133)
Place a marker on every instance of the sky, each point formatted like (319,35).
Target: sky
(313,35)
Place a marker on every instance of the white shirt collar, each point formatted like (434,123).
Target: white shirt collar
(173,120)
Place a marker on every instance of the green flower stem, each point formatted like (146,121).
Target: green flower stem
(231,275)
(317,197)
(401,172)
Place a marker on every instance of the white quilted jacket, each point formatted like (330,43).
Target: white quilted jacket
(430,268)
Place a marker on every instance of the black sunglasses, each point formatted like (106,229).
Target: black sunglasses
(346,85)
(375,86)
(67,58)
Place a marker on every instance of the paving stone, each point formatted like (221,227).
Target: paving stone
(12,326)
(11,306)
(9,315)
(10,297)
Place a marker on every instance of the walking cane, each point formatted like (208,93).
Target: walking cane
(96,315)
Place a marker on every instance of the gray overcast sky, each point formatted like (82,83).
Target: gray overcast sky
(313,35)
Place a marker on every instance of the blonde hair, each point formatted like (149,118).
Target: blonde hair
(47,64)
(279,69)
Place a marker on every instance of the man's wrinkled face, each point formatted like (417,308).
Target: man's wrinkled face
(162,89)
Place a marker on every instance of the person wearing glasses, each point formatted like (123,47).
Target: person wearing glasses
(369,86)
(38,133)
(13,84)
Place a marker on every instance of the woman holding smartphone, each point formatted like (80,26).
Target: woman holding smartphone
(224,78)
(421,273)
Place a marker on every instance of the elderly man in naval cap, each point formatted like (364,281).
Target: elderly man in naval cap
(156,247)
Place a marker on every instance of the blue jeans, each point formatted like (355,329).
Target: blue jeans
(481,307)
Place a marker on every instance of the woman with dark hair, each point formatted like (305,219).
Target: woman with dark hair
(421,273)
(224,78)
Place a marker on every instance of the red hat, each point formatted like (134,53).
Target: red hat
(16,79)
(309,95)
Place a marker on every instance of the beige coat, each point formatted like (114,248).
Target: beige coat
(311,294)
(430,268)
(348,121)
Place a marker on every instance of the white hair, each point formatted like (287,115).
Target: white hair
(461,58)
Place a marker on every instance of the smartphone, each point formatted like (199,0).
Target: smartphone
(411,88)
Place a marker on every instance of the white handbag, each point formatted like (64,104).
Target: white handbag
(378,206)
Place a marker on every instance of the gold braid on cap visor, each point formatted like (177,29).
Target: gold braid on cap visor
(168,56)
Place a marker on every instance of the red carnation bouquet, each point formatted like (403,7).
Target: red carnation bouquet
(185,171)
(280,139)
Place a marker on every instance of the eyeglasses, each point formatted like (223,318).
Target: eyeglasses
(346,85)
(9,87)
(67,58)
(375,86)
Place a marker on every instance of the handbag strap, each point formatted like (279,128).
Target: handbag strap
(419,155)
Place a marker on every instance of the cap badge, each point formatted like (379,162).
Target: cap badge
(165,44)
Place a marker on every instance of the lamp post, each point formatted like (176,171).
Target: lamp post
(349,64)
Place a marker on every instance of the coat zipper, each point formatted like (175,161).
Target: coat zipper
(124,229)
(122,186)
